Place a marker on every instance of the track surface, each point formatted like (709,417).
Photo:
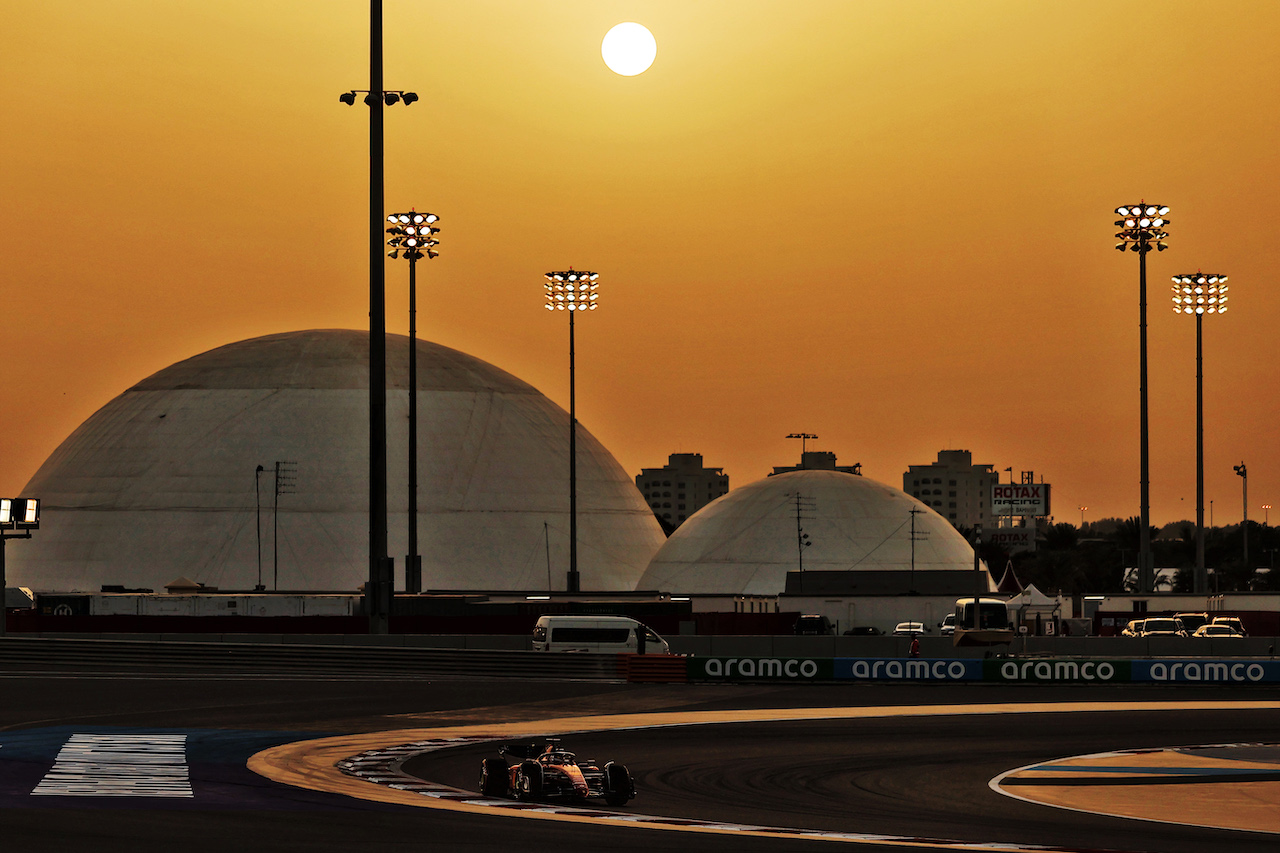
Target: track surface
(898,777)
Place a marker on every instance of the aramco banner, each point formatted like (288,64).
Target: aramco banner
(1020,499)
(998,670)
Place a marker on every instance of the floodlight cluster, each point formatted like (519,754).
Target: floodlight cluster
(19,513)
(572,290)
(413,234)
(1142,225)
(1200,293)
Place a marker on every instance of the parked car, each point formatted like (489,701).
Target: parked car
(813,624)
(947,627)
(1217,631)
(909,629)
(1163,626)
(1133,629)
(863,631)
(1192,621)
(1233,621)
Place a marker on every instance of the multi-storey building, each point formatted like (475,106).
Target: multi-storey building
(683,487)
(955,488)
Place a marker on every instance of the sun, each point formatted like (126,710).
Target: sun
(628,49)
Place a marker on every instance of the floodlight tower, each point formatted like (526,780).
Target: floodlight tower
(572,291)
(1244,524)
(413,235)
(16,514)
(381,568)
(1141,230)
(1199,294)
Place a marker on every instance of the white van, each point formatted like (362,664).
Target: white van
(601,634)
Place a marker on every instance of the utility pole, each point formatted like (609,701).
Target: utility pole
(803,505)
(286,481)
(915,537)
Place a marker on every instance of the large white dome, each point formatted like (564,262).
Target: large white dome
(160,482)
(745,542)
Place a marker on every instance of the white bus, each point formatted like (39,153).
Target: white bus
(992,628)
(600,634)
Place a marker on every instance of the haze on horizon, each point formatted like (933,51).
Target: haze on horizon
(886,223)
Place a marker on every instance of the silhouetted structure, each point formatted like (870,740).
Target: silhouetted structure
(682,487)
(954,487)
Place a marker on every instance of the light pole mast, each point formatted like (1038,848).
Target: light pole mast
(413,234)
(1200,294)
(1244,525)
(572,291)
(1142,229)
(381,569)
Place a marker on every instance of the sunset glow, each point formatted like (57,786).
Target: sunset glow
(886,223)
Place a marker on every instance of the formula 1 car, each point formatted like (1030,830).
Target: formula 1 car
(546,771)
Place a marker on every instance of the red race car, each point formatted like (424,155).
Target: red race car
(546,771)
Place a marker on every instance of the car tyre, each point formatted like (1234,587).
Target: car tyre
(529,782)
(494,778)
(619,787)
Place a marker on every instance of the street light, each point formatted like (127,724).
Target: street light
(1199,294)
(1266,517)
(413,235)
(1141,230)
(573,291)
(16,514)
(1082,509)
(1244,525)
(381,568)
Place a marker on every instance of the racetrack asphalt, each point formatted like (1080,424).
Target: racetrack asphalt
(911,776)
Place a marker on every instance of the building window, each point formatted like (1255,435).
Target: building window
(937,480)
(953,506)
(951,482)
(951,494)
(667,506)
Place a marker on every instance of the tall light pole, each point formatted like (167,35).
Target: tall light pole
(1199,294)
(15,514)
(572,291)
(1141,230)
(413,235)
(1244,525)
(381,570)
(1082,509)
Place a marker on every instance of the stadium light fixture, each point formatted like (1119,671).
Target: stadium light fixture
(1141,230)
(413,236)
(1200,293)
(381,578)
(574,291)
(16,514)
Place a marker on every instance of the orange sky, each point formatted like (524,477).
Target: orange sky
(887,223)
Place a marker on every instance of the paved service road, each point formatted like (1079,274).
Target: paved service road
(912,776)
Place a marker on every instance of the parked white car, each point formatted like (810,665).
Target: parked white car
(1216,631)
(909,629)
(1163,626)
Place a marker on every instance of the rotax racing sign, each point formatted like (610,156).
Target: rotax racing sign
(1022,499)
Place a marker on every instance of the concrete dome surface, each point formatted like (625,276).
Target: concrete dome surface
(162,481)
(745,542)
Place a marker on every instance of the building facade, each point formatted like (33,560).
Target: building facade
(682,487)
(955,488)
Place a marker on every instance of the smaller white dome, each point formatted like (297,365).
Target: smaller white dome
(746,542)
